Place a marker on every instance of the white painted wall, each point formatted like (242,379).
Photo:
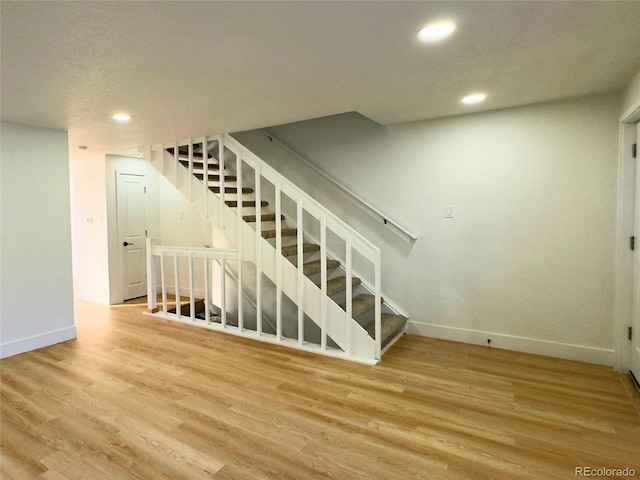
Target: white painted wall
(528,260)
(90,245)
(180,223)
(96,245)
(36,240)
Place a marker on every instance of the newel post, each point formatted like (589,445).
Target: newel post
(152,296)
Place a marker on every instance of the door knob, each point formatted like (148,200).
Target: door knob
(126,244)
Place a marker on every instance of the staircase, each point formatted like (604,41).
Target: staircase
(312,259)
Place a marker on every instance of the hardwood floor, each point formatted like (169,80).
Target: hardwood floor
(135,397)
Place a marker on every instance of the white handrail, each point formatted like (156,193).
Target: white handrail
(196,252)
(403,232)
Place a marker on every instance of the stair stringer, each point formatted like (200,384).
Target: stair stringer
(362,346)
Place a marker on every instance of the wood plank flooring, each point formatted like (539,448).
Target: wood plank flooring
(139,398)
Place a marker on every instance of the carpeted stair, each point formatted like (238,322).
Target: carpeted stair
(391,326)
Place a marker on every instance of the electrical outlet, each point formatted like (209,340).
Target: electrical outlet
(448,212)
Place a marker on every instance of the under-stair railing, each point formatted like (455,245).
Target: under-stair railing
(234,278)
(305,210)
(166,258)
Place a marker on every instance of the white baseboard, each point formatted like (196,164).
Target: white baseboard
(567,351)
(37,341)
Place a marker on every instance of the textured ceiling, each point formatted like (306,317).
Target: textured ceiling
(191,68)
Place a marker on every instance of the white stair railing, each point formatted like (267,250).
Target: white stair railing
(166,256)
(311,220)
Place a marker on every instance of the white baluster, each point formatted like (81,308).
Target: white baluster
(223,292)
(192,304)
(177,290)
(323,280)
(163,280)
(207,294)
(152,296)
(300,227)
(258,238)
(240,237)
(378,311)
(278,262)
(349,291)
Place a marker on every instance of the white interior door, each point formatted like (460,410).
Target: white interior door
(635,338)
(132,225)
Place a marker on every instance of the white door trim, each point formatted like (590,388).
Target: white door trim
(625,228)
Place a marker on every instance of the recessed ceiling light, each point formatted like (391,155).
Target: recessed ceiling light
(436,31)
(122,117)
(474,98)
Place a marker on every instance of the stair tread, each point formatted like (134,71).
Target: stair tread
(183,152)
(267,217)
(390,324)
(216,189)
(360,304)
(311,268)
(186,307)
(245,203)
(293,249)
(216,177)
(339,284)
(199,162)
(286,232)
